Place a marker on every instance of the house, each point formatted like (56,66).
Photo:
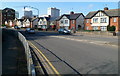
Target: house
(9,23)
(8,14)
(19,22)
(73,21)
(99,20)
(43,23)
(52,23)
(35,22)
(27,23)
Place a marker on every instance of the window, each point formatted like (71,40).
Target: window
(40,22)
(87,28)
(103,20)
(95,20)
(61,21)
(73,21)
(44,22)
(95,28)
(103,28)
(87,21)
(114,20)
(66,21)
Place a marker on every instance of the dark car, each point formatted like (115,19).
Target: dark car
(30,30)
(16,27)
(64,31)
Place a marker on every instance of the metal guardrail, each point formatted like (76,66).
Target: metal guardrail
(30,65)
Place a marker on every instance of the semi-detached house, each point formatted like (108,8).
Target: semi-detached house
(72,21)
(99,20)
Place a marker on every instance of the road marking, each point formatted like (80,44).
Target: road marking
(54,69)
(88,41)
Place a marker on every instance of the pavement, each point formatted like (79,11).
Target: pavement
(13,55)
(70,56)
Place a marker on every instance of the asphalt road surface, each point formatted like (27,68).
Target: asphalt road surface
(74,56)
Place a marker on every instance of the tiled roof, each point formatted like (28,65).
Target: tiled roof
(70,16)
(111,13)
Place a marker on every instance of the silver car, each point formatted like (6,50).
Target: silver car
(64,31)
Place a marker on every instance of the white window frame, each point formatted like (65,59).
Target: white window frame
(73,21)
(95,20)
(114,19)
(103,20)
(103,28)
(66,21)
(95,27)
(87,21)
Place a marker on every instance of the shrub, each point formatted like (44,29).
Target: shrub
(111,28)
(3,25)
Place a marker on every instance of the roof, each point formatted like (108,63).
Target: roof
(28,19)
(70,16)
(110,13)
(47,18)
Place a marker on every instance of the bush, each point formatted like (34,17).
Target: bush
(111,28)
(3,25)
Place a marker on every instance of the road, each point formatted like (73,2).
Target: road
(77,54)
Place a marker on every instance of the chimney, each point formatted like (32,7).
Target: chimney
(106,8)
(34,16)
(71,12)
(49,16)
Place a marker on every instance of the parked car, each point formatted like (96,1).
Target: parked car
(64,31)
(27,30)
(16,27)
(30,30)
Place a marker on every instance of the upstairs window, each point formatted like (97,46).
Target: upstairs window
(95,20)
(66,21)
(73,21)
(114,20)
(40,22)
(103,20)
(61,21)
(87,21)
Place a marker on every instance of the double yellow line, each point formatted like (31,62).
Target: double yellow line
(53,68)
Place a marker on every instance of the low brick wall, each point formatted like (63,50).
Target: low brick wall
(97,33)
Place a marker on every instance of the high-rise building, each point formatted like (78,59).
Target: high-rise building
(53,12)
(28,14)
(16,14)
(8,14)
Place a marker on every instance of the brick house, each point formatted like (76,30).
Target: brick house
(72,21)
(99,20)
(8,15)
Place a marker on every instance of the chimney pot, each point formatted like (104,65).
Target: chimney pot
(106,8)
(71,12)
